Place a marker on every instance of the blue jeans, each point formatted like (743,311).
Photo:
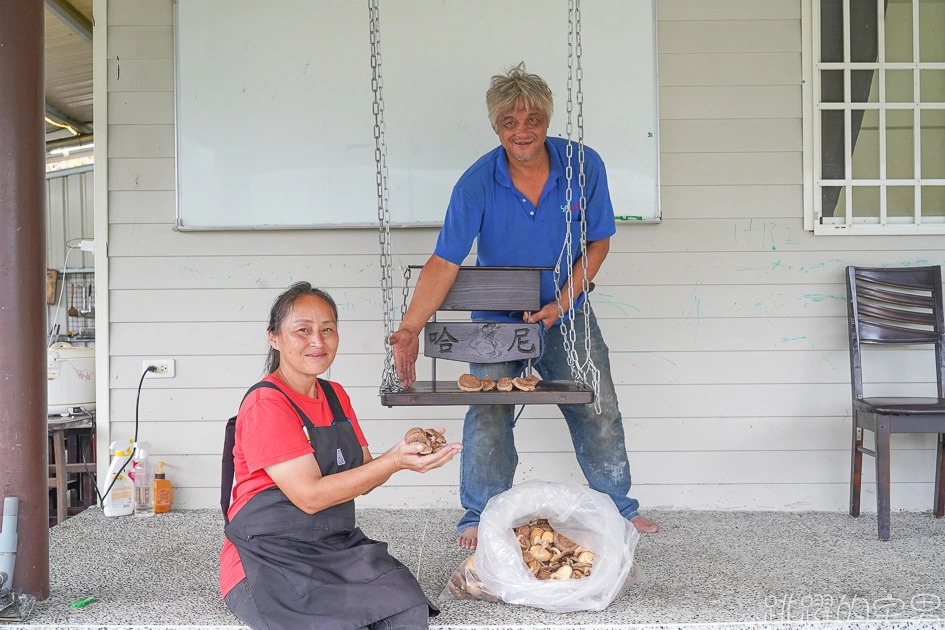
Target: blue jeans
(240,602)
(488,459)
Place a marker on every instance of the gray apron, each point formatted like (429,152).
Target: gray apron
(319,570)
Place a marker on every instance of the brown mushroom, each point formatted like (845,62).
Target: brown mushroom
(457,586)
(474,588)
(522,384)
(417,435)
(564,543)
(551,555)
(560,555)
(437,439)
(563,573)
(431,439)
(540,553)
(535,536)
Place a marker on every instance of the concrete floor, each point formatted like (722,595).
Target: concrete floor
(717,569)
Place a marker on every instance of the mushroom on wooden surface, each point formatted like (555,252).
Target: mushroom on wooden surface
(470,383)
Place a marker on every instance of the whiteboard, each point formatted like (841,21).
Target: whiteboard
(274,105)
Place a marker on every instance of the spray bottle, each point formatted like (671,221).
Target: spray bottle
(118,499)
(8,541)
(143,481)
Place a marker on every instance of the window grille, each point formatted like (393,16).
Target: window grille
(875,116)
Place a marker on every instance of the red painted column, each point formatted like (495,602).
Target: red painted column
(23,433)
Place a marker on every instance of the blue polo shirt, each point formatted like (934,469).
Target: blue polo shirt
(512,232)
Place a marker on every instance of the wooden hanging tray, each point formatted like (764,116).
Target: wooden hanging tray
(449,393)
(488,289)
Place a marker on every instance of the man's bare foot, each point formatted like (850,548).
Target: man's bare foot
(468,538)
(645,525)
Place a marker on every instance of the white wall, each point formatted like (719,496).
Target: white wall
(726,322)
(69,208)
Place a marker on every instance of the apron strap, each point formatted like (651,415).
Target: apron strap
(229,434)
(337,413)
(229,441)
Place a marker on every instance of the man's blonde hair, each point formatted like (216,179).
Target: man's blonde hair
(518,87)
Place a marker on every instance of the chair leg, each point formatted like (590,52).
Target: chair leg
(62,479)
(940,477)
(856,467)
(882,476)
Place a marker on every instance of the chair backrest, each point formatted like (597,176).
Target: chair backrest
(508,289)
(895,306)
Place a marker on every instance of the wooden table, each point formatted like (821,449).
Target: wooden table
(61,467)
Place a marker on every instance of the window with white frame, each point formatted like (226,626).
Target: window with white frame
(874,120)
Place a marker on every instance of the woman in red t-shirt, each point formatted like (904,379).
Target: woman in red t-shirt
(293,556)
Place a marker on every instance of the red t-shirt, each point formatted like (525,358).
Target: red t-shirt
(269,431)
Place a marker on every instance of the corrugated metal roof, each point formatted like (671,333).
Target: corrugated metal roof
(68,68)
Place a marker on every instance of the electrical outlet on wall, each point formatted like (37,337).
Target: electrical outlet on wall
(164,368)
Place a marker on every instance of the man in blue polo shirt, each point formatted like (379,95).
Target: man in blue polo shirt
(512,201)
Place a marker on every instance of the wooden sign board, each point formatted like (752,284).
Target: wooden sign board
(482,342)
(495,289)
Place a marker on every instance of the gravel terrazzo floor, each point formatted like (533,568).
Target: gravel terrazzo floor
(716,569)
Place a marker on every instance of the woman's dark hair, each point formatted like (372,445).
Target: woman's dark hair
(281,309)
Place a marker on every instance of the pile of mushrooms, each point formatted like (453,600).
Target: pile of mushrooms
(431,439)
(465,583)
(470,383)
(550,555)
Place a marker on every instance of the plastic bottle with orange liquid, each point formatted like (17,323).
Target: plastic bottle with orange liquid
(163,491)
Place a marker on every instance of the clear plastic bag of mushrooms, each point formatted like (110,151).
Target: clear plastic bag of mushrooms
(561,547)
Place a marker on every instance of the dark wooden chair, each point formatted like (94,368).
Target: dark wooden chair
(895,306)
(488,289)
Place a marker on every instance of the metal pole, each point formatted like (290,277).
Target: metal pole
(75,142)
(23,404)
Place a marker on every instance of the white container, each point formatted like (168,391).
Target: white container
(70,372)
(8,541)
(119,500)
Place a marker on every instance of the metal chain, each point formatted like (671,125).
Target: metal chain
(406,287)
(389,380)
(590,374)
(567,326)
(585,373)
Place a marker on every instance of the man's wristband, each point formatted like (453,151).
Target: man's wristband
(410,330)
